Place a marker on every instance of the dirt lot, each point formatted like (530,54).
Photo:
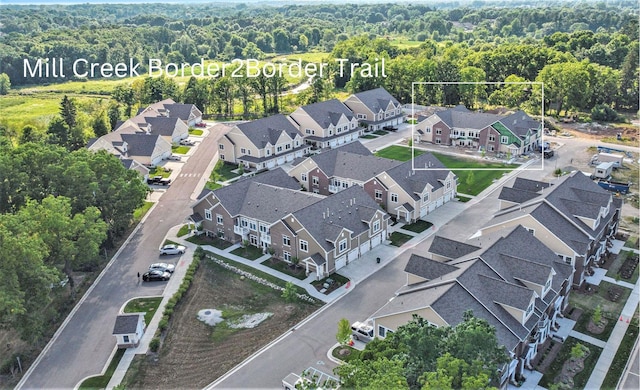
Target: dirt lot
(195,354)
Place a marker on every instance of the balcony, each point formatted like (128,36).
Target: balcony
(334,189)
(241,230)
(265,238)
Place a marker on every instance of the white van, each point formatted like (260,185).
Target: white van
(361,331)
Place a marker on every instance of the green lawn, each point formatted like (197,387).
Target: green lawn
(184,230)
(565,353)
(380,132)
(226,171)
(418,227)
(397,152)
(159,171)
(351,355)
(614,269)
(589,302)
(181,149)
(622,355)
(369,136)
(195,132)
(249,252)
(399,239)
(101,381)
(141,211)
(482,175)
(285,268)
(585,318)
(146,305)
(213,185)
(213,241)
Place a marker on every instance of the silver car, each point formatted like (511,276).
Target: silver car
(164,267)
(172,249)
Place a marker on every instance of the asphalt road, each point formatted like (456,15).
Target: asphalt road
(82,347)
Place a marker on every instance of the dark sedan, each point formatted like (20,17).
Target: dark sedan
(154,275)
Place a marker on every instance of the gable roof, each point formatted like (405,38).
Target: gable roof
(268,130)
(519,123)
(353,166)
(266,197)
(376,99)
(460,117)
(328,112)
(413,181)
(126,323)
(170,108)
(347,209)
(427,268)
(451,249)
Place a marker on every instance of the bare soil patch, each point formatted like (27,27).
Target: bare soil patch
(194,354)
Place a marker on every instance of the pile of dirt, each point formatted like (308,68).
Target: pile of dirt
(189,357)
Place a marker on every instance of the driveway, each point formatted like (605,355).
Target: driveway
(84,343)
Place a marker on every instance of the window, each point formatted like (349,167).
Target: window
(438,141)
(448,184)
(394,198)
(382,331)
(263,228)
(427,130)
(492,138)
(220,233)
(279,149)
(286,241)
(244,223)
(253,240)
(303,177)
(268,152)
(207,215)
(529,310)
(504,139)
(438,131)
(491,148)
(547,285)
(286,256)
(315,180)
(342,246)
(219,219)
(376,225)
(243,150)
(253,225)
(125,338)
(316,191)
(425,197)
(221,147)
(378,195)
(330,132)
(222,157)
(308,131)
(297,143)
(304,246)
(287,146)
(362,116)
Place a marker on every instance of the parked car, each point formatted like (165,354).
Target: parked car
(187,142)
(174,157)
(154,179)
(201,124)
(164,267)
(164,181)
(390,128)
(362,331)
(172,249)
(152,275)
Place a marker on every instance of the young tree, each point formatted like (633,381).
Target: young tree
(289,293)
(68,112)
(5,84)
(114,116)
(597,315)
(344,331)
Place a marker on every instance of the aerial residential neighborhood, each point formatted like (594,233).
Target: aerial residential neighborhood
(332,195)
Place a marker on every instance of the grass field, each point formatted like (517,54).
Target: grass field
(101,381)
(144,305)
(396,152)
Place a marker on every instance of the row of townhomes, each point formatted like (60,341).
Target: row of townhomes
(513,134)
(270,211)
(146,139)
(517,271)
(329,209)
(279,139)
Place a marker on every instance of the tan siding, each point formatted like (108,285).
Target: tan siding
(394,321)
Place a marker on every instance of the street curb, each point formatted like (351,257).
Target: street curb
(104,369)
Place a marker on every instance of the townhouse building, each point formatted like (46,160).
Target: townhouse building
(263,144)
(326,124)
(375,109)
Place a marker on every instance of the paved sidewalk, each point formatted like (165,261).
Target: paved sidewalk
(610,349)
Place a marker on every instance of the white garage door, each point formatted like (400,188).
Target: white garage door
(271,164)
(440,202)
(432,206)
(280,160)
(341,262)
(447,197)
(352,255)
(364,248)
(376,240)
(289,157)
(423,211)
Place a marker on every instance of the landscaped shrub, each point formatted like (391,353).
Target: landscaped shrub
(154,344)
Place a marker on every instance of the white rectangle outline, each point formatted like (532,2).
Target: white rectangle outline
(413,126)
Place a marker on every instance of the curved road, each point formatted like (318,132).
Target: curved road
(84,343)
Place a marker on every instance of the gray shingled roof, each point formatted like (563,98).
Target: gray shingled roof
(376,99)
(126,324)
(161,125)
(530,185)
(328,112)
(345,209)
(427,268)
(182,111)
(140,144)
(460,117)
(451,249)
(268,130)
(516,195)
(519,123)
(266,197)
(414,181)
